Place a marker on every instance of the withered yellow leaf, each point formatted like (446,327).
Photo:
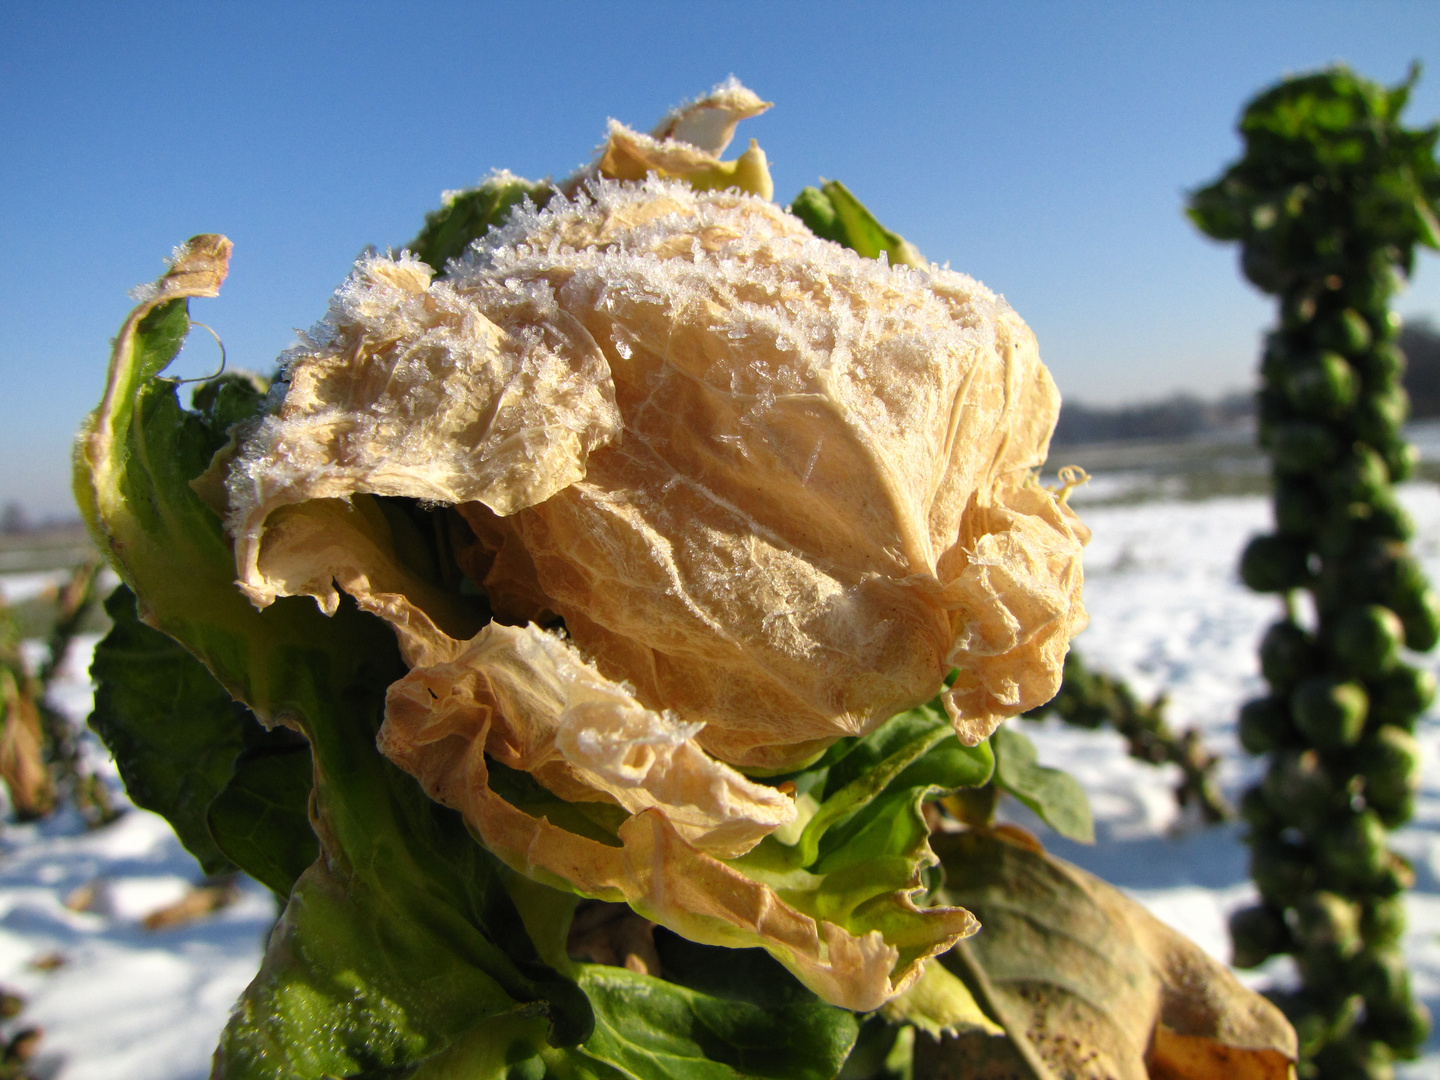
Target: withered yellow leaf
(1089,985)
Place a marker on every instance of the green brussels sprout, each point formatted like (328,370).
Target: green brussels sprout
(1326,919)
(1367,640)
(1272,409)
(1361,476)
(1368,292)
(1345,332)
(1322,967)
(1403,1027)
(1380,571)
(1381,365)
(1389,759)
(1282,872)
(1287,655)
(1396,876)
(1316,1020)
(1329,711)
(1385,519)
(1356,1056)
(1265,725)
(1401,459)
(1297,312)
(1256,934)
(1257,813)
(1321,384)
(1382,922)
(1274,564)
(1265,268)
(1299,507)
(1421,619)
(1300,789)
(1401,695)
(1301,446)
(1351,526)
(1380,976)
(1395,814)
(1380,412)
(1276,358)
(1352,853)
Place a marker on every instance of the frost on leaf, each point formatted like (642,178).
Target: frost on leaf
(409,388)
(774,490)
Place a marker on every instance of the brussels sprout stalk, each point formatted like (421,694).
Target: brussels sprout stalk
(1328,203)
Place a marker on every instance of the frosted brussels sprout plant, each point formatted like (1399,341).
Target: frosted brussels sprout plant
(585,629)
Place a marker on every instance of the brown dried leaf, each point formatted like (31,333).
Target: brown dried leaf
(532,702)
(199,902)
(441,721)
(22,756)
(687,144)
(1088,984)
(315,546)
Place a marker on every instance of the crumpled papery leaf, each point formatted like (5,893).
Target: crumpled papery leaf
(774,490)
(408,389)
(840,915)
(551,714)
(821,501)
(708,123)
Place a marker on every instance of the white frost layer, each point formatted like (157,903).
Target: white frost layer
(1167,611)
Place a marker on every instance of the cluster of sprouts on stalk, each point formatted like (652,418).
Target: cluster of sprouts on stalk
(1329,201)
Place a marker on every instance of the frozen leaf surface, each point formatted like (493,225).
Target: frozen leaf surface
(794,490)
(774,490)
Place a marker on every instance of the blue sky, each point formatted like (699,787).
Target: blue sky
(1044,148)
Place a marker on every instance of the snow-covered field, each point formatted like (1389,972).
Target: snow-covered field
(1167,613)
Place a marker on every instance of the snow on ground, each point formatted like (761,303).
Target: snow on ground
(1167,613)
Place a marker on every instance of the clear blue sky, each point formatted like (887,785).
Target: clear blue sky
(1043,147)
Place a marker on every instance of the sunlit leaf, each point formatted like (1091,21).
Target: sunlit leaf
(833,213)
(1055,796)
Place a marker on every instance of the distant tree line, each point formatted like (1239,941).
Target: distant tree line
(1180,417)
(1420,342)
(1187,416)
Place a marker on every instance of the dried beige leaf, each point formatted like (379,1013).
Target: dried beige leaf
(22,751)
(409,389)
(709,122)
(550,713)
(199,902)
(687,144)
(775,491)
